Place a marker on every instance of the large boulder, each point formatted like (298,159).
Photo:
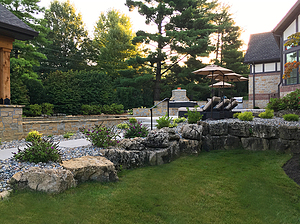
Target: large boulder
(96,168)
(173,136)
(164,155)
(221,143)
(220,128)
(190,147)
(192,131)
(157,139)
(264,131)
(46,180)
(136,144)
(289,132)
(255,144)
(240,129)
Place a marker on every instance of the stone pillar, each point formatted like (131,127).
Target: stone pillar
(6,45)
(11,122)
(179,95)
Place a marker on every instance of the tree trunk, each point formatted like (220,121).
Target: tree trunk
(157,82)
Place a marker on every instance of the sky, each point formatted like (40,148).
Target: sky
(253,16)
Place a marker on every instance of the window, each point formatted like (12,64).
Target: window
(290,30)
(258,68)
(294,74)
(270,67)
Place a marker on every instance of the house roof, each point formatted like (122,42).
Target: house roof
(287,19)
(262,48)
(12,26)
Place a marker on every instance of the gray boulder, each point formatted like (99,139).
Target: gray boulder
(221,142)
(289,132)
(240,129)
(255,144)
(264,131)
(136,144)
(95,168)
(46,180)
(218,128)
(192,131)
(157,139)
(190,147)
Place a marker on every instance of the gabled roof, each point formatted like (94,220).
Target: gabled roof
(287,19)
(262,48)
(12,26)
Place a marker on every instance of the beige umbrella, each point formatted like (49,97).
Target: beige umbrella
(212,70)
(221,85)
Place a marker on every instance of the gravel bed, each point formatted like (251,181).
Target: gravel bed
(10,166)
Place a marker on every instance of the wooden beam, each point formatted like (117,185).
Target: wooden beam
(5,49)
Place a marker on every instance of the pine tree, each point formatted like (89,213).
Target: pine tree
(183,29)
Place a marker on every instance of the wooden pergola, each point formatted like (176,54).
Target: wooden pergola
(11,28)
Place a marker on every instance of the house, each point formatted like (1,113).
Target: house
(11,28)
(267,55)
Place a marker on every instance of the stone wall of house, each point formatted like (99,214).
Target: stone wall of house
(266,85)
(11,122)
(284,90)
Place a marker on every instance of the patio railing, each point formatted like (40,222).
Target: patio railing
(166,99)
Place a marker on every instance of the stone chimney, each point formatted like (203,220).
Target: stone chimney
(179,95)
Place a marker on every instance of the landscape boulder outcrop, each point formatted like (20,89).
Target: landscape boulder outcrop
(95,168)
(46,180)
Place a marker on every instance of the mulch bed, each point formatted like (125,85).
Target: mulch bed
(292,168)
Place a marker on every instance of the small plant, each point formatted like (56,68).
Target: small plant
(132,120)
(123,126)
(235,115)
(246,116)
(68,134)
(193,115)
(179,120)
(163,121)
(101,136)
(291,117)
(130,111)
(39,151)
(33,136)
(268,114)
(136,130)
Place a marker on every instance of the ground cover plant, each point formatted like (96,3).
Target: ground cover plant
(245,116)
(291,117)
(268,114)
(235,186)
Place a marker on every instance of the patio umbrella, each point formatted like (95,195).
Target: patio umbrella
(212,70)
(221,85)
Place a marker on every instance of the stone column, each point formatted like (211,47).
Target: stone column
(6,45)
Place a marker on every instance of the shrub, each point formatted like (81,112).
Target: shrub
(235,115)
(123,126)
(39,151)
(90,109)
(290,101)
(68,134)
(136,130)
(193,115)
(268,114)
(246,116)
(179,120)
(47,108)
(291,117)
(33,136)
(101,136)
(132,120)
(35,110)
(163,121)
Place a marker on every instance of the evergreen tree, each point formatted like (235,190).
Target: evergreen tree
(183,29)
(69,39)
(113,42)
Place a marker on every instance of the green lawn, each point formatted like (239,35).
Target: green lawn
(216,187)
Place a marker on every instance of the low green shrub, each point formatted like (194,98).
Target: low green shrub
(179,120)
(132,120)
(290,101)
(90,109)
(39,151)
(33,136)
(35,110)
(163,121)
(193,115)
(291,117)
(47,108)
(136,130)
(235,115)
(268,114)
(101,136)
(123,126)
(246,116)
(68,134)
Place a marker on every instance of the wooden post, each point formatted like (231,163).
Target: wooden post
(6,45)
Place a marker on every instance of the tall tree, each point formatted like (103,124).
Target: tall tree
(227,42)
(113,42)
(68,48)
(183,29)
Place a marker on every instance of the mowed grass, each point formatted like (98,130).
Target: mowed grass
(215,187)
